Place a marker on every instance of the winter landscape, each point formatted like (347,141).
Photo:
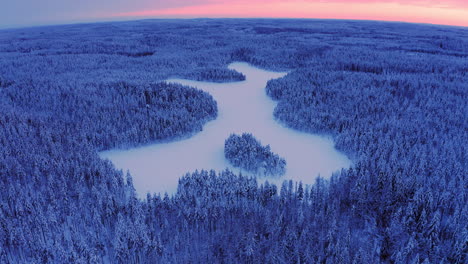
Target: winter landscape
(234,141)
(242,107)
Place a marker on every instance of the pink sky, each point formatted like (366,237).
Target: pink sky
(35,12)
(451,12)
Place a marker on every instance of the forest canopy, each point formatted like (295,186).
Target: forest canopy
(392,95)
(246,152)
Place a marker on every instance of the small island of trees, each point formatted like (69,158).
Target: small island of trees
(247,152)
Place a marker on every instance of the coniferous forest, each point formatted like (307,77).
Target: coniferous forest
(392,95)
(246,152)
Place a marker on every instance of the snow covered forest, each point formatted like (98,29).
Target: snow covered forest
(246,152)
(393,96)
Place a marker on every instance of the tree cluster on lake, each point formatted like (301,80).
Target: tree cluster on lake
(217,75)
(246,152)
(392,95)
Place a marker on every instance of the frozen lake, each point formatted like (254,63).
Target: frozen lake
(242,107)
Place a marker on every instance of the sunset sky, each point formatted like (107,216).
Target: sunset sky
(39,12)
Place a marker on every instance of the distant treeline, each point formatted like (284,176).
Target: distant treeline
(392,95)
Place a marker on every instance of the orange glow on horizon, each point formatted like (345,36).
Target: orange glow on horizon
(389,11)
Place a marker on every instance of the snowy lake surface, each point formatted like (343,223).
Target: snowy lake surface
(242,107)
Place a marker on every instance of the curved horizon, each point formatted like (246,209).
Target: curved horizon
(450,13)
(359,10)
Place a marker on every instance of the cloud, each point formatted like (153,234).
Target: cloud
(424,3)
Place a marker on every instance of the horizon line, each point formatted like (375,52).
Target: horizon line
(134,19)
